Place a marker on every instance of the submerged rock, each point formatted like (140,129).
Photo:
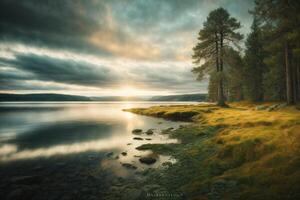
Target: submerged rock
(129,166)
(138,138)
(137,131)
(149,132)
(109,154)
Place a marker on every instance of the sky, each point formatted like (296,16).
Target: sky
(105,47)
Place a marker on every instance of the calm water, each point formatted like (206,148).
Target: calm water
(65,139)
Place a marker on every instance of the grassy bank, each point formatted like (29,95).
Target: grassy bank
(243,152)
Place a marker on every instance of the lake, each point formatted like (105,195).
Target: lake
(74,149)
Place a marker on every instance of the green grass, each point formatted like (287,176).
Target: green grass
(230,153)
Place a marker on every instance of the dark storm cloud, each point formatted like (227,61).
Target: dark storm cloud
(59,70)
(50,23)
(159,31)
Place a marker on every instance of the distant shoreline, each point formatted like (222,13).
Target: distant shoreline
(75,98)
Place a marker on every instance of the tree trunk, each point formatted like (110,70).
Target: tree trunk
(221,98)
(298,79)
(294,79)
(288,74)
(217,51)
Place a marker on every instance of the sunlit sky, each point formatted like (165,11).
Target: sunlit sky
(105,47)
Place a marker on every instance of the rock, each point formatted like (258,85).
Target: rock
(128,143)
(169,129)
(124,153)
(166,131)
(282,105)
(261,107)
(277,106)
(149,160)
(117,157)
(137,131)
(138,138)
(149,132)
(137,156)
(129,166)
(109,154)
(148,139)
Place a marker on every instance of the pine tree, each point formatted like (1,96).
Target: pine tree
(219,32)
(254,64)
(283,18)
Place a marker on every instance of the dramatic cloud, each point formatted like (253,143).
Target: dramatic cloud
(99,46)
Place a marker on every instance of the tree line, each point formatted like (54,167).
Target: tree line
(264,66)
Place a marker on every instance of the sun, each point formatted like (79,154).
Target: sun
(129,92)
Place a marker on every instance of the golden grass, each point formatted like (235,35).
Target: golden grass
(259,149)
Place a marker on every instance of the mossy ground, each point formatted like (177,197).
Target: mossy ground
(231,153)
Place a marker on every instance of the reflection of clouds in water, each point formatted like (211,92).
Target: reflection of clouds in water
(9,152)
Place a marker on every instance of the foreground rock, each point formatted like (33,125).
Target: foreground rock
(137,131)
(138,138)
(149,160)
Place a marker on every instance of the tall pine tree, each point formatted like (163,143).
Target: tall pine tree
(219,31)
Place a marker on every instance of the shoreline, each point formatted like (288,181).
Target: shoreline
(230,153)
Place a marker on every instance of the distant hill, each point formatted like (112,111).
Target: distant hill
(63,97)
(42,97)
(183,97)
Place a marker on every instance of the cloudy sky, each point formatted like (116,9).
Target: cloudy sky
(104,47)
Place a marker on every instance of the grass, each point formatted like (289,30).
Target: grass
(231,153)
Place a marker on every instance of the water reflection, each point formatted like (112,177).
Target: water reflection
(33,130)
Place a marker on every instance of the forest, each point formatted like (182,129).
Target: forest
(261,66)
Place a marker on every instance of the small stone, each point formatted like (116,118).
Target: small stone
(149,132)
(138,138)
(137,131)
(129,166)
